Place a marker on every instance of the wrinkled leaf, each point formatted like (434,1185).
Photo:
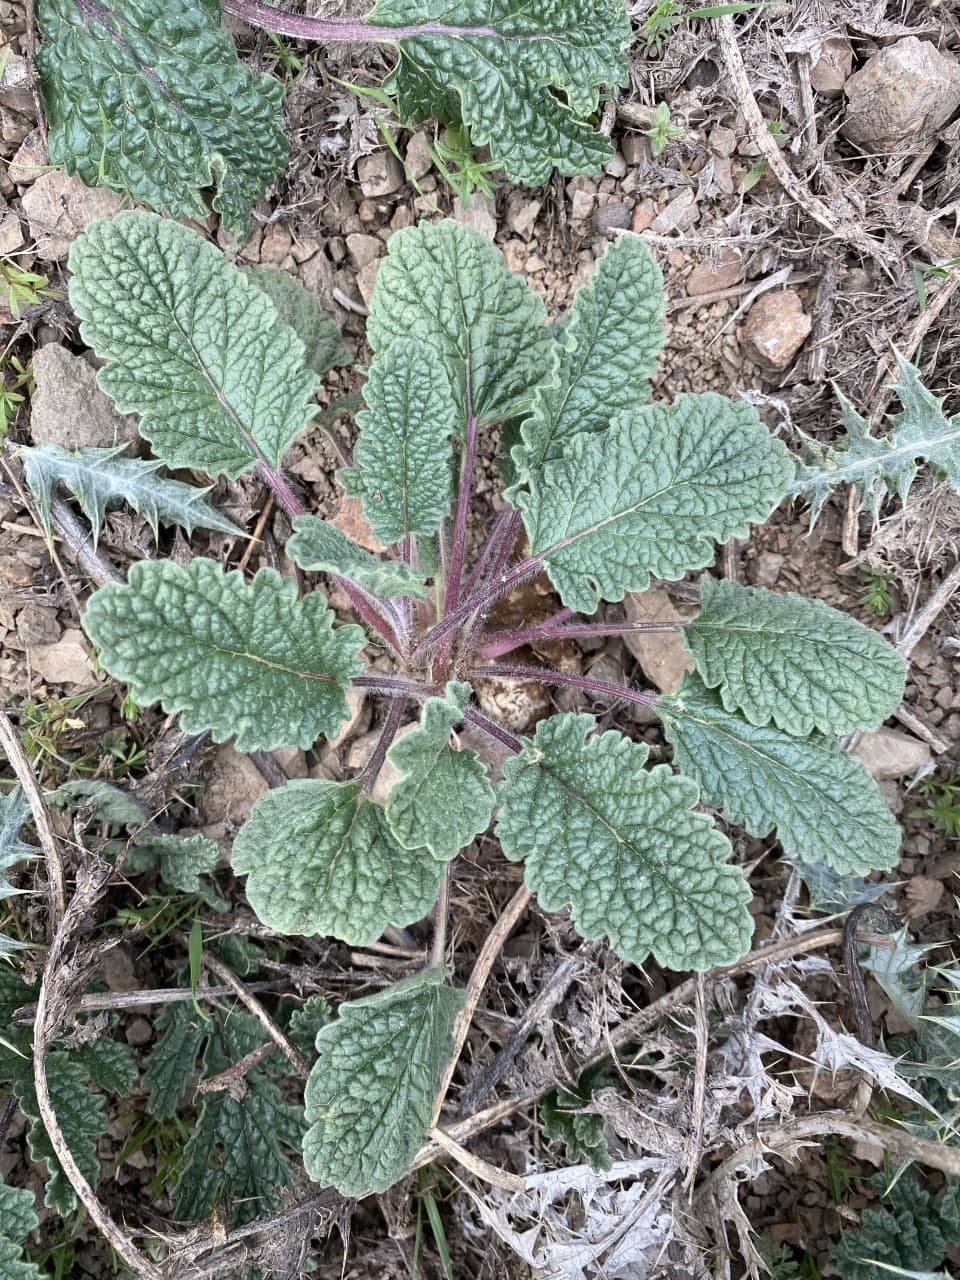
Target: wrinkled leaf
(320,858)
(303,312)
(181,861)
(622,845)
(110,803)
(318,547)
(191,344)
(17,1220)
(173,1058)
(232,657)
(792,660)
(369,1099)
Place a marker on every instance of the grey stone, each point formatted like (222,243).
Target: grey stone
(69,409)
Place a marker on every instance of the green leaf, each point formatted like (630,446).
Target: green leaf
(872,464)
(109,1064)
(446,288)
(154,102)
(14,812)
(191,344)
(793,661)
(110,803)
(13,1265)
(321,859)
(609,347)
(582,1133)
(369,1099)
(303,312)
(17,1220)
(907,1236)
(233,657)
(444,797)
(318,547)
(524,87)
(181,861)
(173,1058)
(622,845)
(306,1021)
(100,480)
(404,454)
(650,495)
(823,802)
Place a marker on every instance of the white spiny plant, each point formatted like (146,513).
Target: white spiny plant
(609,490)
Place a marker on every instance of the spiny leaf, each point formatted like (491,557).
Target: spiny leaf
(369,1099)
(153,102)
(447,289)
(650,495)
(191,344)
(99,479)
(872,464)
(443,798)
(524,86)
(791,660)
(14,812)
(318,547)
(823,802)
(321,859)
(608,348)
(303,312)
(232,657)
(623,846)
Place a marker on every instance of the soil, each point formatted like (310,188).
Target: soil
(726,234)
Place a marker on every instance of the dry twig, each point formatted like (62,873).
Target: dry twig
(10,741)
(286,1047)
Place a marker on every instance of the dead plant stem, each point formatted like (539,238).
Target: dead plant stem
(56,890)
(288,1049)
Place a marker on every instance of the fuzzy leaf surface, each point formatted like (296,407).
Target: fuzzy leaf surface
(609,347)
(622,845)
(233,657)
(448,289)
(651,495)
(303,312)
(17,1220)
(503,83)
(444,797)
(14,812)
(182,861)
(110,803)
(369,1099)
(793,661)
(404,454)
(320,858)
(874,464)
(173,1058)
(100,479)
(191,344)
(319,547)
(152,101)
(822,801)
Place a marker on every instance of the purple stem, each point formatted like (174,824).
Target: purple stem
(495,586)
(544,675)
(492,728)
(373,766)
(491,546)
(395,686)
(498,642)
(458,545)
(278,485)
(283,23)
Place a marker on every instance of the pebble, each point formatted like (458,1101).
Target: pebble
(902,94)
(888,753)
(765,570)
(706,277)
(614,216)
(59,207)
(379,174)
(139,1032)
(775,329)
(643,216)
(364,249)
(661,655)
(275,245)
(830,71)
(680,213)
(69,409)
(418,160)
(480,214)
(722,141)
(581,205)
(11,233)
(521,214)
(30,161)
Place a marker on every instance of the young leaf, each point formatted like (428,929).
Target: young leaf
(303,312)
(872,464)
(109,1064)
(369,1099)
(608,348)
(321,859)
(181,861)
(99,480)
(443,798)
(154,102)
(14,812)
(446,288)
(191,344)
(650,495)
(110,803)
(233,657)
(173,1058)
(318,547)
(623,846)
(17,1220)
(823,802)
(791,660)
(524,82)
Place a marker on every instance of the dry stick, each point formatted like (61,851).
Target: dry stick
(478,979)
(257,532)
(233,1079)
(56,890)
(133,999)
(289,1050)
(924,618)
(699,1084)
(438,952)
(487,1172)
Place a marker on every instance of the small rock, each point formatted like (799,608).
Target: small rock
(364,249)
(275,245)
(614,216)
(30,161)
(233,787)
(643,215)
(923,895)
(830,71)
(775,329)
(351,521)
(765,569)
(15,90)
(661,654)
(903,94)
(679,214)
(581,205)
(418,159)
(516,703)
(139,1032)
(367,278)
(69,409)
(117,971)
(380,174)
(292,761)
(60,207)
(635,148)
(707,277)
(521,214)
(722,141)
(888,753)
(11,233)
(481,214)
(67,661)
(617,167)
(514,255)
(36,625)
(534,265)
(358,712)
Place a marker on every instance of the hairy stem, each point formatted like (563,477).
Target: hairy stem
(458,543)
(497,642)
(492,728)
(544,675)
(491,548)
(438,952)
(371,770)
(395,686)
(348,30)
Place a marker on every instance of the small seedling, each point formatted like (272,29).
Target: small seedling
(608,490)
(667,14)
(661,131)
(20,288)
(878,590)
(943,808)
